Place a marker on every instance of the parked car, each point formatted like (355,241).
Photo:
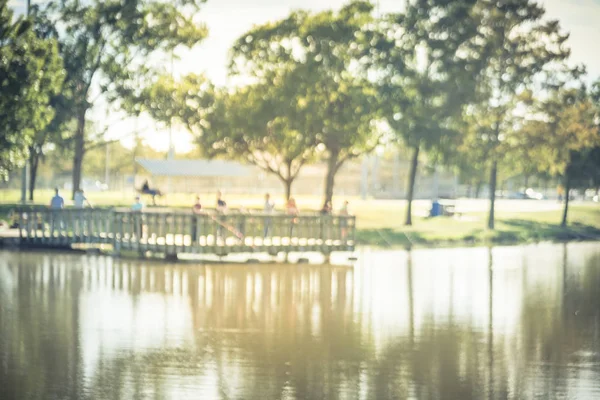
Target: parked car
(528,194)
(533,195)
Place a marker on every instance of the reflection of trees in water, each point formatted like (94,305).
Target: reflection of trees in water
(581,304)
(445,361)
(450,361)
(39,330)
(275,331)
(558,332)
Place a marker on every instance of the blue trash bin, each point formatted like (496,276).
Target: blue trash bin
(436,209)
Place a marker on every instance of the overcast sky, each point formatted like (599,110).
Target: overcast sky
(229,19)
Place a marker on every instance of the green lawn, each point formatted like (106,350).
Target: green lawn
(511,227)
(380,222)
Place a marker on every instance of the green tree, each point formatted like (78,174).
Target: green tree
(425,72)
(594,156)
(519,47)
(348,110)
(321,52)
(563,138)
(470,167)
(30,74)
(108,47)
(184,101)
(265,125)
(55,133)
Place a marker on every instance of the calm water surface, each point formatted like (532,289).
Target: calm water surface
(511,322)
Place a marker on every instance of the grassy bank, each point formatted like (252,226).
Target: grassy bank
(380,222)
(511,228)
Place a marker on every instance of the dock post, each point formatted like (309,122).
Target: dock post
(116,237)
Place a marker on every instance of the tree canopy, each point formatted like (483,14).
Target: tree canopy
(424,67)
(321,53)
(30,74)
(109,48)
(562,136)
(520,49)
(265,125)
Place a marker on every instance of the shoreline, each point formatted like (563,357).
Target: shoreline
(381,225)
(375,239)
(389,238)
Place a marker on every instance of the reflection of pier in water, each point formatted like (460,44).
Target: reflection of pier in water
(293,317)
(230,296)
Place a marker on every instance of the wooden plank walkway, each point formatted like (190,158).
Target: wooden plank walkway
(179,232)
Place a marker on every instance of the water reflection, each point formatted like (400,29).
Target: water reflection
(515,322)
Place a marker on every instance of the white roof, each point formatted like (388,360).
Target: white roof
(194,168)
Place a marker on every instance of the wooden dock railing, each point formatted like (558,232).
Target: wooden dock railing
(174,232)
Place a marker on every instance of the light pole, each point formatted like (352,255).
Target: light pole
(171,153)
(107,165)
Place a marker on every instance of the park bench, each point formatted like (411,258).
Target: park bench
(446,208)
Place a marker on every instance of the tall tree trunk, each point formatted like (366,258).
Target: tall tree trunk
(411,183)
(477,189)
(493,176)
(79,151)
(288,188)
(563,223)
(332,168)
(34,161)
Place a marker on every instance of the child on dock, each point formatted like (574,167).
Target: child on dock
(196,210)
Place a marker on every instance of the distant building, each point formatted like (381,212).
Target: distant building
(377,176)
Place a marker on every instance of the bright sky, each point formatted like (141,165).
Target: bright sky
(229,19)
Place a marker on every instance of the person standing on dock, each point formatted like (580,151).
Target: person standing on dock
(268,209)
(138,223)
(57,203)
(137,205)
(325,222)
(221,210)
(196,210)
(79,199)
(241,223)
(291,209)
(197,207)
(344,213)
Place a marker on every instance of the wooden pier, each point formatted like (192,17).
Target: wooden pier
(171,232)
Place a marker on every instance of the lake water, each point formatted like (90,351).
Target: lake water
(508,322)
